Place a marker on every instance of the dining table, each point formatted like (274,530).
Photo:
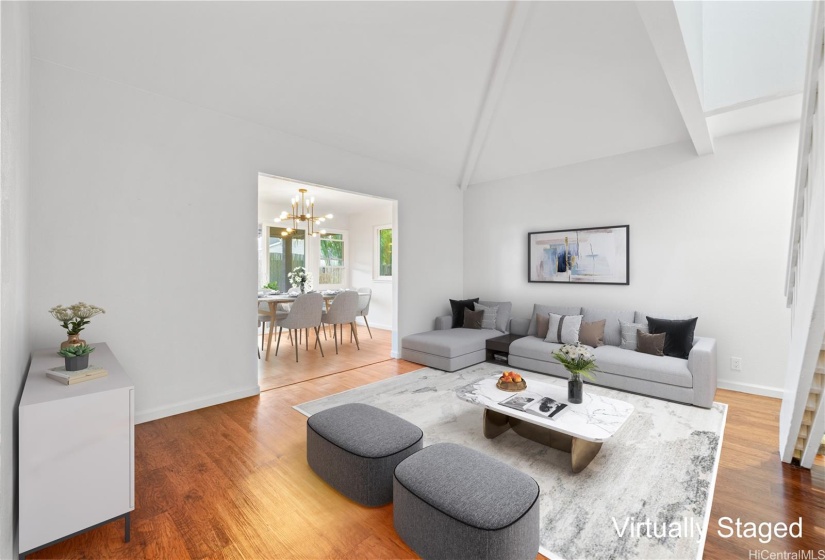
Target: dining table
(274,299)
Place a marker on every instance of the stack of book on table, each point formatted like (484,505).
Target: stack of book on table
(72,377)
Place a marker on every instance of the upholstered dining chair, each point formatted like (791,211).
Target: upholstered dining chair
(364,298)
(265,316)
(304,314)
(342,311)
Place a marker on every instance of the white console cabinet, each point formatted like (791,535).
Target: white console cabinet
(76,451)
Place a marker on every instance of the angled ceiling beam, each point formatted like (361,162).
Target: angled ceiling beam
(663,28)
(517,15)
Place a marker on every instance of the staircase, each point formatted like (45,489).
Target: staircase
(802,417)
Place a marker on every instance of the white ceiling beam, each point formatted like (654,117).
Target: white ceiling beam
(663,28)
(517,15)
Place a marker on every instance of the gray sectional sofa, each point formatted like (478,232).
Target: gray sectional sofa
(691,381)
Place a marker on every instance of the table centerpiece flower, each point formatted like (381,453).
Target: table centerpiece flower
(300,278)
(74,319)
(580,362)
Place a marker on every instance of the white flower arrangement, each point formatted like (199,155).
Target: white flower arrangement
(300,278)
(75,317)
(577,359)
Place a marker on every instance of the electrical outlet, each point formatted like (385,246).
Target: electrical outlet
(736,364)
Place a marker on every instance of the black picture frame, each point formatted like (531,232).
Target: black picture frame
(568,256)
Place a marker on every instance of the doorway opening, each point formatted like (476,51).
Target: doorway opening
(336,241)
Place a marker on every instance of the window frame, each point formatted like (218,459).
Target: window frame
(345,275)
(376,252)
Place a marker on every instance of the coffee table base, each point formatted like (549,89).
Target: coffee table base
(582,452)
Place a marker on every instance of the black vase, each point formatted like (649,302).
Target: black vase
(76,363)
(575,390)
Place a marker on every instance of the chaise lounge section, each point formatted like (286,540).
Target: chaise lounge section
(450,349)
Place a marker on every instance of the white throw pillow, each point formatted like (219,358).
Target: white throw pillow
(629,334)
(564,329)
(490,313)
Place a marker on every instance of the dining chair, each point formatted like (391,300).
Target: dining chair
(342,311)
(364,298)
(304,314)
(264,318)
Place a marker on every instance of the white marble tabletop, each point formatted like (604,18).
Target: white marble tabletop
(595,419)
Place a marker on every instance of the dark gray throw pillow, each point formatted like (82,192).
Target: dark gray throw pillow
(473,319)
(458,306)
(678,335)
(650,343)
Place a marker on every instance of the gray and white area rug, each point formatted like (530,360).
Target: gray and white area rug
(647,494)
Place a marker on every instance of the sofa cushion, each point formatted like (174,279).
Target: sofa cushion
(592,334)
(505,309)
(473,319)
(678,335)
(534,348)
(458,306)
(547,309)
(450,343)
(629,331)
(652,344)
(488,312)
(563,329)
(629,363)
(612,331)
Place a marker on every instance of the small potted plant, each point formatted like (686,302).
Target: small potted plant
(77,357)
(580,362)
(74,319)
(273,286)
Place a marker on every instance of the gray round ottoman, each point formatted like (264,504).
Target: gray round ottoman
(452,502)
(356,447)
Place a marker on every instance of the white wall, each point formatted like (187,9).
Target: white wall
(14,254)
(708,236)
(168,193)
(362,254)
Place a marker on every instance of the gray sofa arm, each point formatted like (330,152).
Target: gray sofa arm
(702,365)
(519,326)
(444,322)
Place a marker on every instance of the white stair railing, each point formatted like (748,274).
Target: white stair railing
(802,417)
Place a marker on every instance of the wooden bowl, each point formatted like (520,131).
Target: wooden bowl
(511,387)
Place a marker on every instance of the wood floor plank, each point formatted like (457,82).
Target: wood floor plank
(231,481)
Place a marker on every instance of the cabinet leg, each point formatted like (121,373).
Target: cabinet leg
(128,530)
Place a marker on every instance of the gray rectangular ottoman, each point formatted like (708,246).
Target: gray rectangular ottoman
(356,447)
(452,502)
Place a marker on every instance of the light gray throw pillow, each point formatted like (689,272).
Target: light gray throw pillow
(564,329)
(489,321)
(629,334)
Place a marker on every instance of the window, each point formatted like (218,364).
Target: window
(285,253)
(332,270)
(382,269)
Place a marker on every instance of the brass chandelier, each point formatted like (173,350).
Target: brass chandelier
(303,210)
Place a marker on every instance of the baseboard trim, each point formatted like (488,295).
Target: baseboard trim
(360,321)
(395,355)
(194,404)
(761,390)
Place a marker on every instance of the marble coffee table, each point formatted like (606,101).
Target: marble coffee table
(579,429)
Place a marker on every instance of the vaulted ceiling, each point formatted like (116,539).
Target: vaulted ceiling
(423,85)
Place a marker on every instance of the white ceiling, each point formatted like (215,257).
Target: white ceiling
(279,192)
(400,82)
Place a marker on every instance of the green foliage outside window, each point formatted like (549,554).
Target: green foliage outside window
(385,252)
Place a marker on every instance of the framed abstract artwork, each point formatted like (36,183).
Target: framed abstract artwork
(598,255)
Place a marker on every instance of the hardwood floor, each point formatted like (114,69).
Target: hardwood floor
(283,370)
(231,481)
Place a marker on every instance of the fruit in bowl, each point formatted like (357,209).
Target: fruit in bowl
(511,381)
